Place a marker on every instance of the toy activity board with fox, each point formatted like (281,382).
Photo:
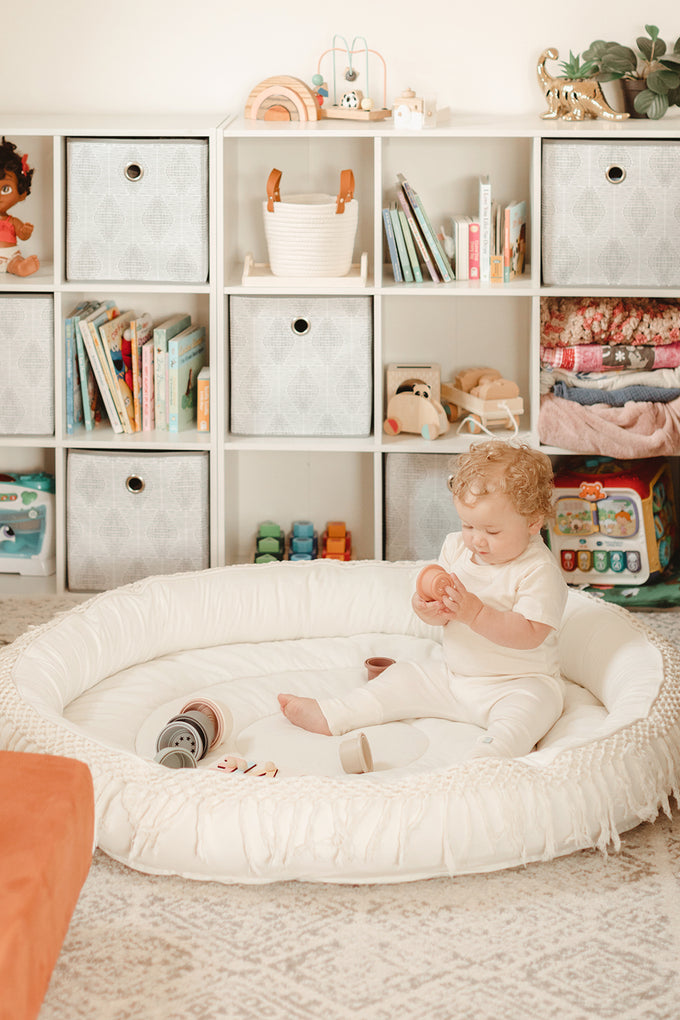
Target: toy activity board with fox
(614,520)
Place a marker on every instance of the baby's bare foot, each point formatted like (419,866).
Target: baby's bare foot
(304,712)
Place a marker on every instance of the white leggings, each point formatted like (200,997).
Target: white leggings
(515,711)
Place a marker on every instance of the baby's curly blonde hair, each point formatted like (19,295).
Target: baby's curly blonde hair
(525,475)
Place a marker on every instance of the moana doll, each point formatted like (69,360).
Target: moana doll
(15,185)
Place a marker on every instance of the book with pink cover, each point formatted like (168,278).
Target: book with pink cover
(136,335)
(148,416)
(473,257)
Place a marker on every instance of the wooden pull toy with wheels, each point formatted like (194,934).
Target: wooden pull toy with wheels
(414,409)
(489,400)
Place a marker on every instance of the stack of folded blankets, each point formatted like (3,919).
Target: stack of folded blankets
(610,376)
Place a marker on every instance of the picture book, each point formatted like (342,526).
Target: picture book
(186,358)
(74,395)
(473,249)
(410,247)
(460,225)
(484,228)
(438,253)
(90,386)
(401,244)
(109,344)
(135,336)
(422,248)
(392,246)
(148,417)
(497,228)
(203,400)
(161,334)
(514,247)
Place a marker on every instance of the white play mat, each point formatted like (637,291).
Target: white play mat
(102,680)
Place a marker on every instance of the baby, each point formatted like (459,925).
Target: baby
(500,614)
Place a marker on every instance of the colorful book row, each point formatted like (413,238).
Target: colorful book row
(490,246)
(139,375)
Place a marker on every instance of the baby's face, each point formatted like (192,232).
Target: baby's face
(493,530)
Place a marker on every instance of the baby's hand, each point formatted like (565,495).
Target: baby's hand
(461,604)
(433,613)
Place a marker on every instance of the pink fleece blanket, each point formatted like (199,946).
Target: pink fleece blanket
(634,430)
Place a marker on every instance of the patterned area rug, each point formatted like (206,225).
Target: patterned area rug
(586,937)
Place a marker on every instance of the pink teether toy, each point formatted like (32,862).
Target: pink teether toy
(432,582)
(376,664)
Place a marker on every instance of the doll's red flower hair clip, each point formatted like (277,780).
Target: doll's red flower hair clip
(24,164)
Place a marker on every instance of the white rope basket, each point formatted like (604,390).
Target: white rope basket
(311,235)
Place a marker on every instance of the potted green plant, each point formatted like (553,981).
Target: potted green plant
(649,76)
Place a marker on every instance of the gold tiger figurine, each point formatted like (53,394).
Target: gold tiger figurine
(572,100)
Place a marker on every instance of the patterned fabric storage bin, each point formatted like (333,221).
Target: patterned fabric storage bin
(137,209)
(419,510)
(27,357)
(129,515)
(610,213)
(301,366)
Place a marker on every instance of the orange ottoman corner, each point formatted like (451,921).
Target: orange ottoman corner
(46,841)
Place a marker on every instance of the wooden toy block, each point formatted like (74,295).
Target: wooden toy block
(270,542)
(336,542)
(282,98)
(401,374)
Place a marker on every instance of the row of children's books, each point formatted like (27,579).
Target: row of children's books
(137,374)
(489,246)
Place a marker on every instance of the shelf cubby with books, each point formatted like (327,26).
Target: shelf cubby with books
(45,142)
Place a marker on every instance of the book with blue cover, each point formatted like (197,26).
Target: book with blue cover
(392,246)
(74,395)
(186,358)
(161,335)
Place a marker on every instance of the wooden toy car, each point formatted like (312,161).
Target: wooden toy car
(489,400)
(414,409)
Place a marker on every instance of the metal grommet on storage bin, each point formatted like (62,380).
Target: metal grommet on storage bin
(615,173)
(134,484)
(301,325)
(134,172)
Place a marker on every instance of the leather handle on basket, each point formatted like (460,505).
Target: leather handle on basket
(346,193)
(273,189)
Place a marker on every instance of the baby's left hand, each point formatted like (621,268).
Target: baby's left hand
(462,604)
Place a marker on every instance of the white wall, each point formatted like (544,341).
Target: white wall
(120,56)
